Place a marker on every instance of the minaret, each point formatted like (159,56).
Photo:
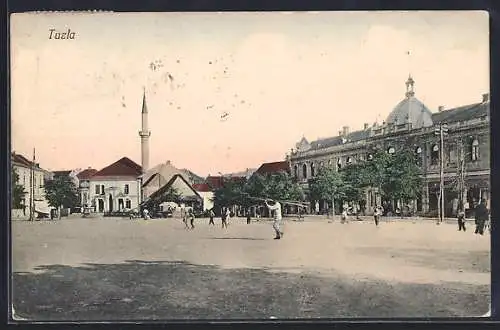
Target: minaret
(144,133)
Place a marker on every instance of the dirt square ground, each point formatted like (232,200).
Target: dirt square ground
(121,269)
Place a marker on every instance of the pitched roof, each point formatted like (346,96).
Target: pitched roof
(202,187)
(165,170)
(86,174)
(192,177)
(274,167)
(122,167)
(462,113)
(61,173)
(160,192)
(23,161)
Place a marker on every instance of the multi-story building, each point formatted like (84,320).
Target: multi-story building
(33,186)
(116,187)
(411,125)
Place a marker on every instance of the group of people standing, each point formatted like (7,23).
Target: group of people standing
(481,217)
(226,215)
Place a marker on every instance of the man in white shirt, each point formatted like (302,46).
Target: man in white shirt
(276,207)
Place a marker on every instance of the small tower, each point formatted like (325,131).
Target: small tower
(410,87)
(144,133)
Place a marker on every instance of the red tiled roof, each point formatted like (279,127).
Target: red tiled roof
(202,187)
(122,167)
(86,174)
(214,182)
(274,167)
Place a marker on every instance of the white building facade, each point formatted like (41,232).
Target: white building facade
(112,194)
(23,167)
(116,188)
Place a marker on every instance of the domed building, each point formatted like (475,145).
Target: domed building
(411,124)
(410,110)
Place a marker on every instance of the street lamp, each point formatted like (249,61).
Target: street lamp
(441,130)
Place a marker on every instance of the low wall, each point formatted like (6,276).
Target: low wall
(19,214)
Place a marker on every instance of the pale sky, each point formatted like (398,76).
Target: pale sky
(278,76)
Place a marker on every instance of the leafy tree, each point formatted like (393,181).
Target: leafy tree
(397,176)
(328,185)
(404,177)
(281,186)
(231,193)
(354,181)
(61,192)
(18,192)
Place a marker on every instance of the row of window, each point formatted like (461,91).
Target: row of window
(473,155)
(99,189)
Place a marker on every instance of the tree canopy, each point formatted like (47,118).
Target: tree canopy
(61,192)
(18,192)
(328,184)
(397,176)
(277,186)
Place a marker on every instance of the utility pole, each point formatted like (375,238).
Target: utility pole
(441,130)
(32,188)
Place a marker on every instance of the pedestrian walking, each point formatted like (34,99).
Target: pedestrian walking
(211,214)
(376,215)
(191,218)
(223,217)
(249,219)
(229,215)
(481,216)
(344,216)
(461,219)
(276,208)
(185,220)
(301,217)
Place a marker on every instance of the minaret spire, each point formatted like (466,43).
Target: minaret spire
(144,133)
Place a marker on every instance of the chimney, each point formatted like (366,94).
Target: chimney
(345,130)
(366,126)
(486,97)
(441,108)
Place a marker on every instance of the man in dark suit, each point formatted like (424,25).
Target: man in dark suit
(481,216)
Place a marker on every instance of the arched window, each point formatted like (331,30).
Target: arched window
(339,163)
(418,155)
(475,150)
(304,171)
(434,154)
(321,164)
(296,170)
(391,150)
(349,160)
(370,157)
(312,170)
(329,162)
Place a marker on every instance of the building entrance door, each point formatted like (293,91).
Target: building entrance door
(100,205)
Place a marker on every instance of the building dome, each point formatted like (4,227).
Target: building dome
(410,109)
